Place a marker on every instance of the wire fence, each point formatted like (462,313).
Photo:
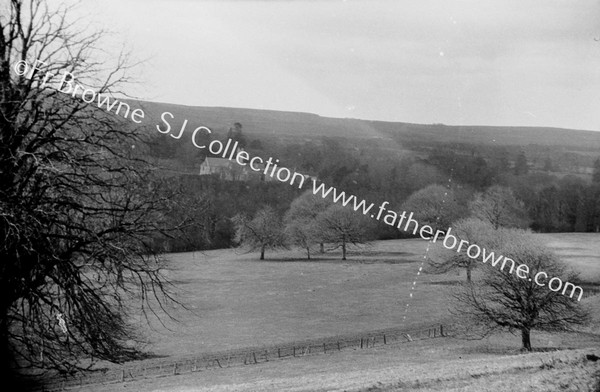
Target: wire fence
(249,356)
(244,357)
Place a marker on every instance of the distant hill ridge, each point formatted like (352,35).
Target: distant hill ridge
(307,125)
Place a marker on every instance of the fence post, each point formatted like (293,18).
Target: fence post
(122,375)
(324,349)
(175,368)
(294,351)
(338,344)
(254,355)
(441,330)
(361,342)
(278,352)
(384,339)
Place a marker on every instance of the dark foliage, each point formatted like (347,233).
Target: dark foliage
(78,205)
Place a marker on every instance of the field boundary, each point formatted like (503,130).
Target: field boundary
(246,356)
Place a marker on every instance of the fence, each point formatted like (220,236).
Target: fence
(246,356)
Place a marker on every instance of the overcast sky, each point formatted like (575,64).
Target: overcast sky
(501,62)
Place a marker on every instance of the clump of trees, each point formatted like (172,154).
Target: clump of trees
(498,299)
(491,213)
(502,301)
(311,220)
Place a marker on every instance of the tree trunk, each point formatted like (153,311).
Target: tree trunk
(262,252)
(469,274)
(308,252)
(119,276)
(7,371)
(321,248)
(526,338)
(5,357)
(344,247)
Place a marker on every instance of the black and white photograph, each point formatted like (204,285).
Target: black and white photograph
(300,195)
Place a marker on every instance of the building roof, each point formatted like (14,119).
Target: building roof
(217,162)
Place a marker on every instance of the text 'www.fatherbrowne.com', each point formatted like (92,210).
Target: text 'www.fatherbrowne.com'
(67,84)
(450,241)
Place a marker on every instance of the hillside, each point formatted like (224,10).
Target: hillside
(374,160)
(306,125)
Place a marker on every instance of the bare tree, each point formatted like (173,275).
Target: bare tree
(472,230)
(264,231)
(499,206)
(504,301)
(435,206)
(341,226)
(301,220)
(77,204)
(302,233)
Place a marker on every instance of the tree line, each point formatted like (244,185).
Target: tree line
(552,202)
(310,221)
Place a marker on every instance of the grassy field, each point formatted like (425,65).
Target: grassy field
(580,250)
(237,301)
(434,365)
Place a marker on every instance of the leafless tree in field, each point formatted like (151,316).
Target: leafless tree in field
(264,231)
(78,206)
(473,230)
(301,221)
(503,301)
(499,206)
(341,227)
(434,205)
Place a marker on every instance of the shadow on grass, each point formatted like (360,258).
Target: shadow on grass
(379,253)
(510,350)
(349,260)
(445,282)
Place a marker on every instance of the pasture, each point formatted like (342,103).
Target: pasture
(236,301)
(579,250)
